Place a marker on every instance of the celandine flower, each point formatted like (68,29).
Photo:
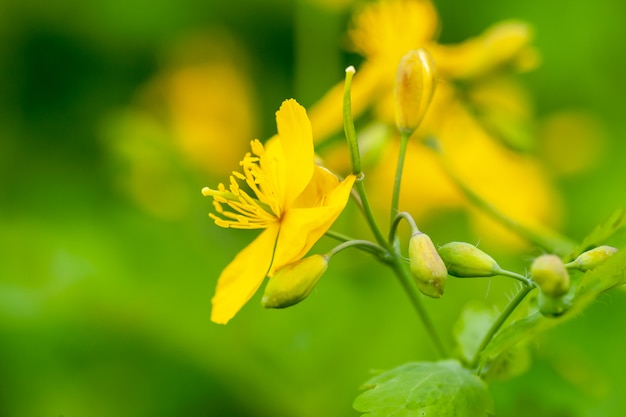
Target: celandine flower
(479,126)
(292,198)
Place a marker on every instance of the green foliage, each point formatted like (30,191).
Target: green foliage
(104,305)
(594,283)
(472,326)
(603,232)
(509,364)
(425,389)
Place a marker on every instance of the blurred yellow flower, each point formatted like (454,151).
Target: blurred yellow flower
(479,115)
(382,32)
(210,100)
(210,105)
(295,201)
(513,182)
(199,101)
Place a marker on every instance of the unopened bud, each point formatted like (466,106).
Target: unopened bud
(592,258)
(465,260)
(549,272)
(293,283)
(428,269)
(553,306)
(416,79)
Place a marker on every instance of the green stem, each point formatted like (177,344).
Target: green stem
(364,245)
(394,258)
(502,318)
(406,280)
(395,199)
(403,215)
(348,123)
(524,280)
(369,214)
(552,243)
(338,236)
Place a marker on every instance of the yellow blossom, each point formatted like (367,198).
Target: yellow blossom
(292,198)
(209,100)
(479,126)
(200,99)
(385,30)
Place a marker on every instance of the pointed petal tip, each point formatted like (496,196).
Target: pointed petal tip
(217,319)
(290,104)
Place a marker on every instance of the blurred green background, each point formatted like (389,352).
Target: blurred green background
(108,260)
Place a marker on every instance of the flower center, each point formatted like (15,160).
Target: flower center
(245,211)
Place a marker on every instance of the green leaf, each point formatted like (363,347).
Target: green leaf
(509,364)
(469,331)
(608,275)
(600,234)
(422,389)
(471,327)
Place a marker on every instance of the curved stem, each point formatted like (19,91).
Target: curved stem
(395,199)
(516,276)
(396,221)
(364,245)
(502,318)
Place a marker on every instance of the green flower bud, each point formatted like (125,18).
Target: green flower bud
(293,283)
(465,260)
(549,272)
(592,258)
(553,306)
(416,79)
(428,269)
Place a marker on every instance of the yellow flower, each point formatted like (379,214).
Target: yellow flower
(292,198)
(385,30)
(479,126)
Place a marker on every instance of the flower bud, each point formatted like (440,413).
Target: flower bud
(553,306)
(293,283)
(465,260)
(428,269)
(549,272)
(592,258)
(415,85)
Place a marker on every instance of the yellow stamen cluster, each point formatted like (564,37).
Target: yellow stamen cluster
(246,212)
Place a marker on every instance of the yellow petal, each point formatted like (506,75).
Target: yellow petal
(386,30)
(274,173)
(302,227)
(243,276)
(499,45)
(294,131)
(322,183)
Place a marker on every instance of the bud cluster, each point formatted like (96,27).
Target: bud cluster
(464,260)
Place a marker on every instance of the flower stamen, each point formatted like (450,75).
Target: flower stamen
(245,211)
